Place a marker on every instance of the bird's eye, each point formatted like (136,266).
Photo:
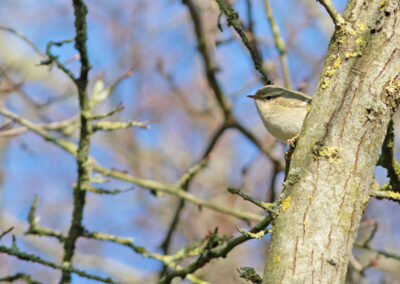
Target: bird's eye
(268,97)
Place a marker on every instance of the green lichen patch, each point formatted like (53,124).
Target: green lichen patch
(392,89)
(330,71)
(286,203)
(374,112)
(276,258)
(331,153)
(382,5)
(352,54)
(294,176)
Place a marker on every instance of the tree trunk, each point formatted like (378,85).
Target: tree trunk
(330,178)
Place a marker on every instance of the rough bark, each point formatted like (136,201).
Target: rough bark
(330,178)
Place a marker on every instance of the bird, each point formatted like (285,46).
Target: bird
(282,110)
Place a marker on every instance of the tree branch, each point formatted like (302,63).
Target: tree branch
(64,268)
(279,44)
(233,20)
(387,159)
(336,17)
(211,251)
(82,158)
(25,39)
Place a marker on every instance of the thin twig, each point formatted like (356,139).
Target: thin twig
(259,203)
(381,252)
(233,20)
(172,189)
(51,58)
(62,143)
(108,191)
(68,269)
(210,253)
(24,38)
(150,184)
(58,125)
(6,232)
(118,108)
(271,193)
(268,152)
(128,242)
(185,186)
(25,277)
(388,194)
(36,229)
(387,159)
(192,172)
(253,41)
(336,17)
(372,234)
(204,49)
(100,93)
(116,125)
(210,70)
(279,44)
(145,183)
(187,105)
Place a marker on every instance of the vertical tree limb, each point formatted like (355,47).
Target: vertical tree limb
(329,180)
(76,229)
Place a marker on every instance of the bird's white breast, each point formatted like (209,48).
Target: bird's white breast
(283,122)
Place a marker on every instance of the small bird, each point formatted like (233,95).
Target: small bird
(281,110)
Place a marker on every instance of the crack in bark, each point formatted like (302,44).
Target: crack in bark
(311,199)
(283,275)
(322,265)
(329,237)
(385,66)
(295,256)
(312,276)
(348,111)
(351,224)
(394,25)
(344,195)
(358,148)
(312,257)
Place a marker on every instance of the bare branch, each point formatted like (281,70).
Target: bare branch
(336,17)
(210,252)
(279,44)
(381,252)
(265,206)
(36,229)
(24,38)
(388,194)
(25,277)
(68,269)
(150,184)
(233,20)
(51,58)
(387,159)
(61,126)
(191,172)
(107,191)
(116,125)
(211,68)
(82,158)
(6,232)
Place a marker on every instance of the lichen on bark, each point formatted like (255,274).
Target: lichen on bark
(314,236)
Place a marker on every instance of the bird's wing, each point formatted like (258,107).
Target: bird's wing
(300,99)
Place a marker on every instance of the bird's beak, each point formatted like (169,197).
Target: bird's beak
(254,97)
